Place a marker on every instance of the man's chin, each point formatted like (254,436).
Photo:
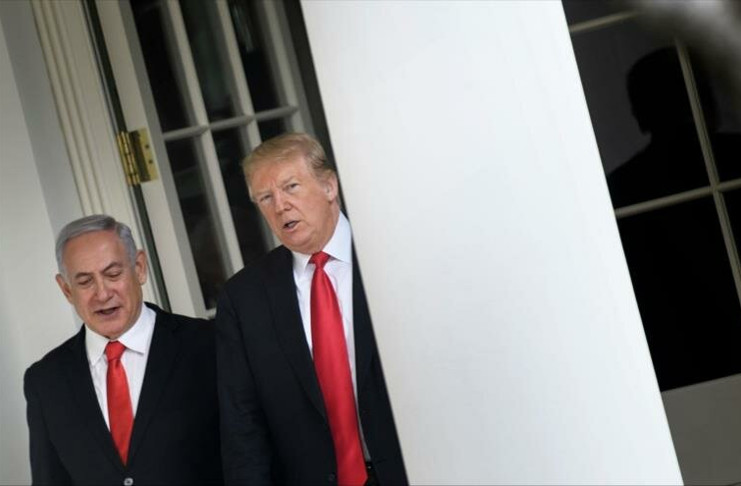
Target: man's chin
(300,245)
(109,328)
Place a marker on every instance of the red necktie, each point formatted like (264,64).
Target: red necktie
(333,371)
(120,414)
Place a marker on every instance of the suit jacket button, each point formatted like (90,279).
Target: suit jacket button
(128,482)
(331,478)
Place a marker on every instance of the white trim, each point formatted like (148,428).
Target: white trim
(235,63)
(226,234)
(186,65)
(707,152)
(221,210)
(85,121)
(282,62)
(163,206)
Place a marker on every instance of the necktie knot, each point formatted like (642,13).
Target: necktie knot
(114,350)
(319,259)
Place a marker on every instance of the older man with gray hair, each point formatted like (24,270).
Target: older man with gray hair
(131,398)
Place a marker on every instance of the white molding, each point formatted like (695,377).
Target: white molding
(208,163)
(85,120)
(163,207)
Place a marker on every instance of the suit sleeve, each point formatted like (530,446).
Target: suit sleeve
(46,467)
(245,446)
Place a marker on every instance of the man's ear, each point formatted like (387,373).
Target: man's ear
(140,267)
(65,287)
(331,186)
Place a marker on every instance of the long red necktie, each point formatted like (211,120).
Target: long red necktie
(120,414)
(333,371)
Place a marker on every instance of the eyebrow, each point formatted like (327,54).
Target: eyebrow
(280,184)
(109,267)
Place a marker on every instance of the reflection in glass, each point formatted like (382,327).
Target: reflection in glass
(231,150)
(722,116)
(672,161)
(201,24)
(158,49)
(685,292)
(641,114)
(199,221)
(253,53)
(271,128)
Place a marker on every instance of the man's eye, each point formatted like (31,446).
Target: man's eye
(84,283)
(114,274)
(264,199)
(292,186)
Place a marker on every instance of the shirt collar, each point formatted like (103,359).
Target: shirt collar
(339,247)
(137,338)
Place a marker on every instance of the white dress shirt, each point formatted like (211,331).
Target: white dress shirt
(134,359)
(339,270)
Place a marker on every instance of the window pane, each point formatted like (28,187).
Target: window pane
(250,38)
(685,292)
(159,52)
(733,203)
(231,149)
(640,111)
(184,158)
(271,128)
(722,112)
(581,10)
(201,23)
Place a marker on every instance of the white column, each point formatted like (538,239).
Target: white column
(86,122)
(512,343)
(34,316)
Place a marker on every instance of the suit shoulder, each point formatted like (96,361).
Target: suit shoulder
(197,336)
(255,272)
(180,322)
(50,361)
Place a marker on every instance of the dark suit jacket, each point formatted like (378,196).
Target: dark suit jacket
(274,424)
(175,439)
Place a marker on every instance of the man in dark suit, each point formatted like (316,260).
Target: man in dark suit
(301,390)
(131,399)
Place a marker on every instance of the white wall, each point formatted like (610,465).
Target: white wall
(34,317)
(510,335)
(42,121)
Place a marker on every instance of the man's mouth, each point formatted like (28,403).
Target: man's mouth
(290,225)
(107,312)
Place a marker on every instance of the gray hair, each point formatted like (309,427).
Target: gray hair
(89,224)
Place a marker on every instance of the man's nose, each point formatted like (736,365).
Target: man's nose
(281,202)
(102,292)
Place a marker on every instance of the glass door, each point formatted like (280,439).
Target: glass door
(210,80)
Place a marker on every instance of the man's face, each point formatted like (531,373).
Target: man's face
(102,284)
(301,209)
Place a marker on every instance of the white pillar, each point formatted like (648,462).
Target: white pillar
(34,316)
(512,343)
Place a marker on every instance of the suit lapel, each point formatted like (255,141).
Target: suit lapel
(163,353)
(77,370)
(364,340)
(281,289)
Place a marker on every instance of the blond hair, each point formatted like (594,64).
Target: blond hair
(285,147)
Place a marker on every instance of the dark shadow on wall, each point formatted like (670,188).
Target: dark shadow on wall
(678,262)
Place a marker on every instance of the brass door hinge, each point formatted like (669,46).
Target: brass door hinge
(137,157)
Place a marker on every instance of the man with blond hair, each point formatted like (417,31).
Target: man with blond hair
(301,389)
